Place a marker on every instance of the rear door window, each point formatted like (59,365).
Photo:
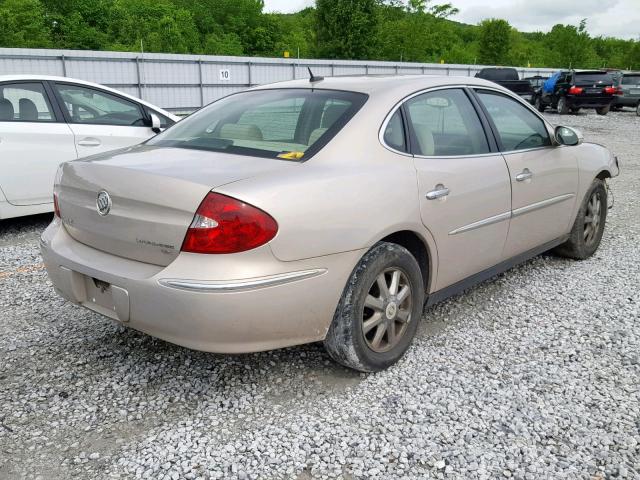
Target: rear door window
(444,123)
(25,102)
(289,124)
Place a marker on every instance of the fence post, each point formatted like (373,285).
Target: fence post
(396,69)
(139,78)
(64,66)
(333,70)
(201,85)
(294,70)
(366,70)
(249,73)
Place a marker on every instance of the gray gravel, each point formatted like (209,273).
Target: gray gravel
(533,375)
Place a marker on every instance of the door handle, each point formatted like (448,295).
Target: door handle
(89,142)
(525,175)
(439,192)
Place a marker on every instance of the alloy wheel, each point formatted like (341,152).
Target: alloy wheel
(387,310)
(592,218)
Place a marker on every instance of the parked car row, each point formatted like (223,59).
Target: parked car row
(572,90)
(46,120)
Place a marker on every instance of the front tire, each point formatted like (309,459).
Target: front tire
(603,110)
(588,227)
(538,104)
(563,106)
(378,313)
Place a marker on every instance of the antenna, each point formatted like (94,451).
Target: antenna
(312,77)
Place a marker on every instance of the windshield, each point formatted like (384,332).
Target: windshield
(631,80)
(291,124)
(593,78)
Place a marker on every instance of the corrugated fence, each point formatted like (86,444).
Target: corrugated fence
(183,83)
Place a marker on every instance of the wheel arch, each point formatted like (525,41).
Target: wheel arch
(419,248)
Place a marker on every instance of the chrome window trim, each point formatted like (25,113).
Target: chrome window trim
(240,285)
(508,93)
(482,223)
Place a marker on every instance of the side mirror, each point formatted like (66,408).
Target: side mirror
(155,123)
(568,136)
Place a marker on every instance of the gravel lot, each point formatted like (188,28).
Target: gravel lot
(533,375)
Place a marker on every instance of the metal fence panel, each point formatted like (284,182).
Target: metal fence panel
(185,82)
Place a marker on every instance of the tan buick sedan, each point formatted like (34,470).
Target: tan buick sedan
(328,210)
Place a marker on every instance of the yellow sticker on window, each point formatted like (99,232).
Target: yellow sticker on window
(291,155)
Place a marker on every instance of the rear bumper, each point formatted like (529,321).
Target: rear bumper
(249,303)
(589,102)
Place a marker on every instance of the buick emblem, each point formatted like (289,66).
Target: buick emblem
(103,203)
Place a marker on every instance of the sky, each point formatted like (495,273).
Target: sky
(615,18)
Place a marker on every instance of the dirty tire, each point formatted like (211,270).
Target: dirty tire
(603,110)
(577,247)
(575,109)
(345,341)
(563,106)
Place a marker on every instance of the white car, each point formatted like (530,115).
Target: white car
(45,121)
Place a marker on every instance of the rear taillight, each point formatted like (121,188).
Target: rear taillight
(226,225)
(56,207)
(575,90)
(610,90)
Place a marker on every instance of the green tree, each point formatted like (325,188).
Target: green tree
(346,28)
(23,24)
(160,25)
(569,46)
(495,42)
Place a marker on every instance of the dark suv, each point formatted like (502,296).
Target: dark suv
(570,90)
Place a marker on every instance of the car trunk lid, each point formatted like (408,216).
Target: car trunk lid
(153,192)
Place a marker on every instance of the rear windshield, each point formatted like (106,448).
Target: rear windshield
(631,80)
(499,74)
(593,77)
(290,124)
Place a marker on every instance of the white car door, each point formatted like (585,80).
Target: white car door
(33,142)
(102,121)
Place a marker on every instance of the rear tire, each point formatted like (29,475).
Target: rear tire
(563,106)
(538,104)
(638,110)
(373,305)
(588,228)
(575,109)
(603,110)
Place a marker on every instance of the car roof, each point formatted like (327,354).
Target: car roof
(53,78)
(372,84)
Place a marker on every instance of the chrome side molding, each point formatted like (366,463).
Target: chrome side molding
(515,213)
(240,285)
